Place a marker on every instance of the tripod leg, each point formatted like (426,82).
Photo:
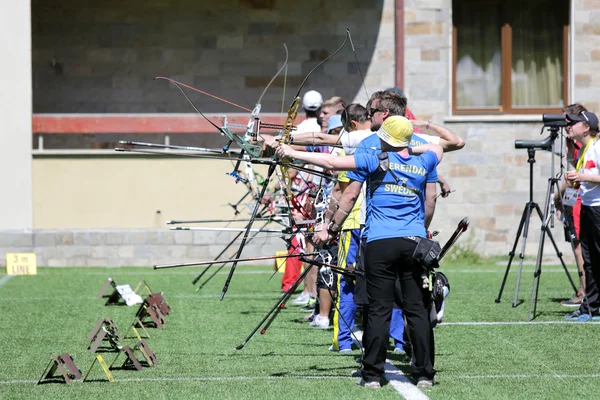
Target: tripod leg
(559,254)
(538,269)
(538,263)
(530,206)
(524,216)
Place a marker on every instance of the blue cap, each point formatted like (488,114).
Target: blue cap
(397,90)
(335,121)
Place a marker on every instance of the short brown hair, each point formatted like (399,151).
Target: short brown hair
(575,108)
(354,112)
(390,100)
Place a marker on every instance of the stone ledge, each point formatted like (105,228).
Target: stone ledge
(116,248)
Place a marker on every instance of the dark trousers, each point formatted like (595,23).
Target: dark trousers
(386,260)
(590,249)
(360,290)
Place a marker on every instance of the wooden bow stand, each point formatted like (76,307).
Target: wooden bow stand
(157,300)
(108,283)
(142,285)
(65,365)
(151,313)
(122,294)
(104,337)
(105,368)
(147,357)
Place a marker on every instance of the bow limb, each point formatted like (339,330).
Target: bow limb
(252,132)
(291,118)
(253,129)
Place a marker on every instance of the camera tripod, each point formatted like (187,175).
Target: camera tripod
(524,230)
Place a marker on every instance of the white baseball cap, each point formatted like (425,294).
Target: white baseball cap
(312,100)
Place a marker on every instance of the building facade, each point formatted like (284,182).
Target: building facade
(487,70)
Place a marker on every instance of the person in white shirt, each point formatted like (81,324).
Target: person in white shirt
(583,127)
(311,104)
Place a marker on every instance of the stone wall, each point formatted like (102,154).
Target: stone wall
(427,84)
(491,179)
(490,176)
(116,248)
(104,59)
(428,55)
(586,49)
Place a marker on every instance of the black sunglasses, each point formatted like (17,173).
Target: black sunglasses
(374,110)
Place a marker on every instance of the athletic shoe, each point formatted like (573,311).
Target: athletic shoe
(301,299)
(574,302)
(310,304)
(573,316)
(342,351)
(424,382)
(586,317)
(370,385)
(310,317)
(357,373)
(320,322)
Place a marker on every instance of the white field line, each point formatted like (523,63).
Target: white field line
(497,271)
(402,384)
(482,323)
(5,279)
(530,356)
(198,379)
(519,376)
(250,378)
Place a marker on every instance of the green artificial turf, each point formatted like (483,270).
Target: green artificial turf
(53,312)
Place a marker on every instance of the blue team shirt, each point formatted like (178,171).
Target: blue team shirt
(372,145)
(395,210)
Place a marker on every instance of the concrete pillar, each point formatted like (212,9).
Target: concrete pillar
(15,115)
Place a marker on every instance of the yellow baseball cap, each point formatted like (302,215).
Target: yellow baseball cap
(396,131)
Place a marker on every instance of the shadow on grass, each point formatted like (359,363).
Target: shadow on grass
(558,300)
(54,380)
(321,369)
(295,374)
